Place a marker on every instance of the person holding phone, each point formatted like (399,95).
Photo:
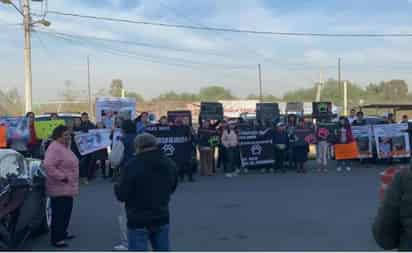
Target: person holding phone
(62,183)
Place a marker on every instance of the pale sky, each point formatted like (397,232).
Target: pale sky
(166,59)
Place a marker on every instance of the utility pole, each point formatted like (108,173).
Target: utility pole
(260,83)
(345,98)
(319,87)
(89,86)
(339,75)
(27,56)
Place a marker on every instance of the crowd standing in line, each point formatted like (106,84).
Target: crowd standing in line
(143,167)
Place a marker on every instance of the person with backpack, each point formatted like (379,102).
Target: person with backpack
(123,152)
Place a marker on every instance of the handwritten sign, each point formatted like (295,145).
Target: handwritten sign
(44,129)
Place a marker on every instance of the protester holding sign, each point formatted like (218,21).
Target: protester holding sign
(300,145)
(281,146)
(205,149)
(322,149)
(33,146)
(142,122)
(86,162)
(345,136)
(101,156)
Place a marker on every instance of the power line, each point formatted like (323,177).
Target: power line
(231,30)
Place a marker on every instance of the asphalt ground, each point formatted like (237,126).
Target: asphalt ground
(259,212)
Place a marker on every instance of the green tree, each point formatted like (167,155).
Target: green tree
(116,88)
(214,93)
(137,96)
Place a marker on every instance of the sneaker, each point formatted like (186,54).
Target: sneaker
(348,169)
(229,175)
(245,171)
(339,169)
(325,170)
(237,171)
(320,170)
(263,170)
(120,247)
(272,171)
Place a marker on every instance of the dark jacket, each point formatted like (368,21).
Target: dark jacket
(146,186)
(86,126)
(129,148)
(280,137)
(392,228)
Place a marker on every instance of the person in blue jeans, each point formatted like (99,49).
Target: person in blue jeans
(146,185)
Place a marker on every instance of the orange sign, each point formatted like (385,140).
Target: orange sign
(346,151)
(3,137)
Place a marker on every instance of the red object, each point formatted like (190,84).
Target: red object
(33,137)
(386,179)
(349,135)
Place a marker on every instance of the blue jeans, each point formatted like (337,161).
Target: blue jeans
(158,237)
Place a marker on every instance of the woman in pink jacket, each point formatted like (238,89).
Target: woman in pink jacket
(62,184)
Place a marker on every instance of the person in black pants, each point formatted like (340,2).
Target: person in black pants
(281,144)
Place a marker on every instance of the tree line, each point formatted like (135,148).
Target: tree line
(11,102)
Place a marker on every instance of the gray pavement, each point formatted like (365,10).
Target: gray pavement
(277,212)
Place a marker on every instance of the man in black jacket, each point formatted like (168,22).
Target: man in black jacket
(146,185)
(392,228)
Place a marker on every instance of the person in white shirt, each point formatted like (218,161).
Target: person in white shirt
(230,142)
(352,117)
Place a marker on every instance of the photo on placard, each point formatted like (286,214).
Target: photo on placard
(398,143)
(385,147)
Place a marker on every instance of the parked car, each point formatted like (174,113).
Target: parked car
(24,207)
(64,116)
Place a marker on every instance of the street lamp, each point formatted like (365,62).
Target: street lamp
(27,22)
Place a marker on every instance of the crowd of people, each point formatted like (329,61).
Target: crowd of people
(145,178)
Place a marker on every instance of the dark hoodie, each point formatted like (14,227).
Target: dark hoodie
(146,186)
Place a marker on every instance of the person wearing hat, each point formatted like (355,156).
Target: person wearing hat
(145,186)
(281,145)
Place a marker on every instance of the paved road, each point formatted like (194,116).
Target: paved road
(253,212)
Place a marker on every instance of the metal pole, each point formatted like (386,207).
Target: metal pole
(319,87)
(260,83)
(89,87)
(27,57)
(339,75)
(345,98)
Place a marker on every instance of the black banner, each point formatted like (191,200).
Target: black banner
(256,148)
(267,112)
(174,141)
(211,111)
(304,136)
(172,116)
(294,107)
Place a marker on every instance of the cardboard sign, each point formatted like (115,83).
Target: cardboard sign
(256,148)
(92,141)
(44,129)
(322,109)
(392,140)
(211,111)
(346,151)
(363,137)
(172,116)
(3,137)
(267,112)
(108,109)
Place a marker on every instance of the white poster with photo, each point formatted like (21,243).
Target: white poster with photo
(392,141)
(92,141)
(108,109)
(363,137)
